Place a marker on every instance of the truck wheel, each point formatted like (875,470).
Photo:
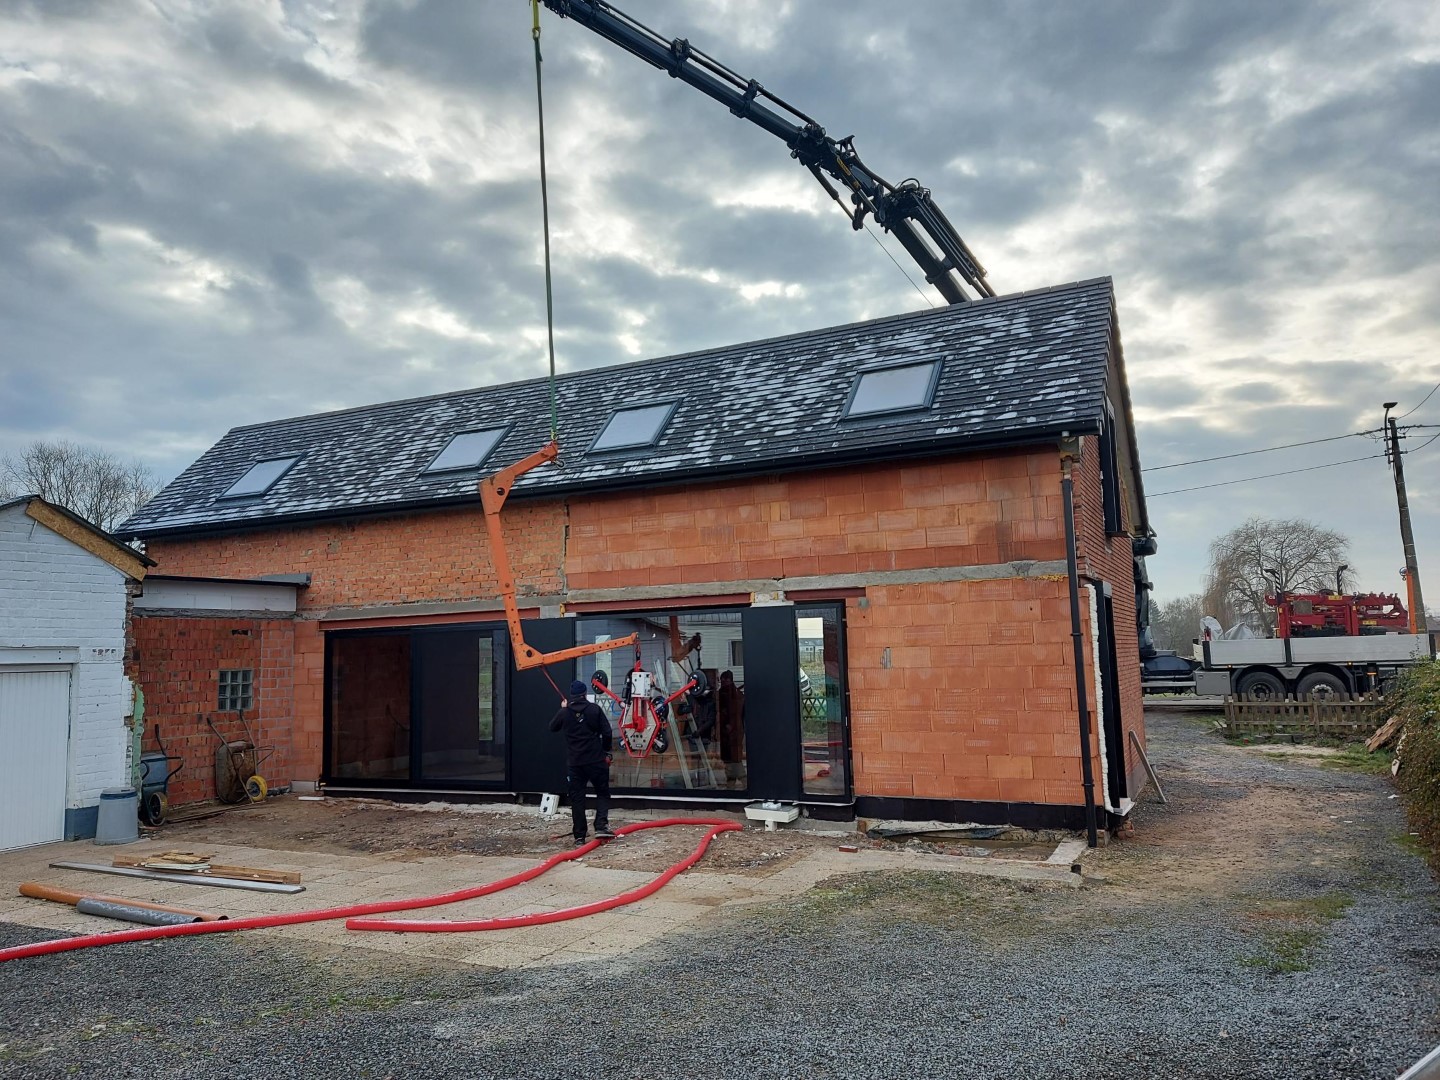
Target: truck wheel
(1322,686)
(1260,686)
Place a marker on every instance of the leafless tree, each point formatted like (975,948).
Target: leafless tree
(96,484)
(1302,555)
(1176,623)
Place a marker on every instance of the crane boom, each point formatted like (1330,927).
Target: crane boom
(905,209)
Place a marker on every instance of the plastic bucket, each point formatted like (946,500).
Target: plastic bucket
(118,822)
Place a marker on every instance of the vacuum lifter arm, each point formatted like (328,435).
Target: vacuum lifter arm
(493,492)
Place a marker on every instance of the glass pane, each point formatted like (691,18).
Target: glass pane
(370,707)
(699,736)
(892,389)
(459,680)
(822,701)
(633,427)
(466,450)
(259,477)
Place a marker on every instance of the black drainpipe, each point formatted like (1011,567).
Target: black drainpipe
(1087,774)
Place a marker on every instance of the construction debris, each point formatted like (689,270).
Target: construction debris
(1385,735)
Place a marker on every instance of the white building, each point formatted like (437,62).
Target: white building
(65,590)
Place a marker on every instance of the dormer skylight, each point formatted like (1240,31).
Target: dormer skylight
(897,388)
(628,428)
(466,450)
(260,477)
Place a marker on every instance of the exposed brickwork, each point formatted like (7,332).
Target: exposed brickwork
(179,659)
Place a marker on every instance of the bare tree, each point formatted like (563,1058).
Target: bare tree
(1303,556)
(94,483)
(1176,623)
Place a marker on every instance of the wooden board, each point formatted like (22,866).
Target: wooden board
(244,873)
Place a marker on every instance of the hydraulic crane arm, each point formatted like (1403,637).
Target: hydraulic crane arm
(904,209)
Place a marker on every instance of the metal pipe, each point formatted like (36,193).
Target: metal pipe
(1072,563)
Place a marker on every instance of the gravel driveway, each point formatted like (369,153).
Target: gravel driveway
(1271,921)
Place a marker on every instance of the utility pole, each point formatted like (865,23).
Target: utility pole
(1407,537)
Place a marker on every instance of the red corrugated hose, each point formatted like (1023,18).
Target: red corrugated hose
(355,913)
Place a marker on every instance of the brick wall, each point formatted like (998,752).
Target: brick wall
(960,689)
(179,658)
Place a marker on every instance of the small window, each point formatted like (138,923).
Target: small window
(467,450)
(628,428)
(260,477)
(893,389)
(235,690)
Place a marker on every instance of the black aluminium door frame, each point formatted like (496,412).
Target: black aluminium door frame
(412,782)
(1112,720)
(848,796)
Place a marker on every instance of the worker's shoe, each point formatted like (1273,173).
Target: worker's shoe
(604,832)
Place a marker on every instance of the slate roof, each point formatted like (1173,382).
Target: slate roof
(1017,370)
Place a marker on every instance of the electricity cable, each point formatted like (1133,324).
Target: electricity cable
(1426,398)
(1266,476)
(1262,450)
(545,216)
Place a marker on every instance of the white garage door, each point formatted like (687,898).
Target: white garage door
(34,737)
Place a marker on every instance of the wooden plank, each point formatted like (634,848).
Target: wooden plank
(191,879)
(128,562)
(246,873)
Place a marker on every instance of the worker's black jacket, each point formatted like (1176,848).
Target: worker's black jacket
(587,732)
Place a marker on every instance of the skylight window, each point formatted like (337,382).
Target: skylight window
(628,428)
(466,450)
(893,389)
(260,477)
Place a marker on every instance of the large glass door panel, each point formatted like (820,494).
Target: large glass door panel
(460,694)
(370,707)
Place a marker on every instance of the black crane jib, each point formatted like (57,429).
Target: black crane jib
(905,209)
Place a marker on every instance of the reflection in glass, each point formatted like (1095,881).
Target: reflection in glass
(822,713)
(370,707)
(702,732)
(459,680)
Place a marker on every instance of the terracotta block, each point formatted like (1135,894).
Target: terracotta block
(1028,745)
(893,785)
(1032,722)
(1063,793)
(1055,768)
(1011,633)
(983,745)
(923,495)
(997,466)
(886,498)
(1004,766)
(930,786)
(965,765)
(977,789)
(902,742)
(1022,791)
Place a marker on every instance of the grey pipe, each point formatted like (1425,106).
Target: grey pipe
(149,916)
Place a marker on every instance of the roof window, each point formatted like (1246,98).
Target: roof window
(628,428)
(466,450)
(893,389)
(260,477)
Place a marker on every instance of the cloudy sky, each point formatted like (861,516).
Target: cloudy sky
(217,213)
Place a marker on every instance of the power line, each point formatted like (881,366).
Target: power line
(1424,444)
(1426,398)
(1264,450)
(1267,476)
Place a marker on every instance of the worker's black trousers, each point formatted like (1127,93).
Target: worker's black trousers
(598,777)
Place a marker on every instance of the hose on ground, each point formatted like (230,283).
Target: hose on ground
(383,907)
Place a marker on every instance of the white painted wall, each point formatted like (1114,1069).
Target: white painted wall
(59,603)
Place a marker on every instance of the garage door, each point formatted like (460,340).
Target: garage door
(34,737)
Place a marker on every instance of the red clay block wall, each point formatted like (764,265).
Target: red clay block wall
(964,511)
(437,555)
(178,660)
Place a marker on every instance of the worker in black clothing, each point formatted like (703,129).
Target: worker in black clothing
(587,757)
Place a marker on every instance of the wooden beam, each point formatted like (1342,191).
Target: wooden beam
(130,563)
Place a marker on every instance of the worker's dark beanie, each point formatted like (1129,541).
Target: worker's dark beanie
(577,690)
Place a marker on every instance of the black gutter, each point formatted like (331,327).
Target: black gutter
(1087,774)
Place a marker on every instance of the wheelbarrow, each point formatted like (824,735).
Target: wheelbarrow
(155,777)
(237,766)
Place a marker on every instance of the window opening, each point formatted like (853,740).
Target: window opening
(894,389)
(1110,472)
(825,752)
(260,477)
(235,690)
(630,428)
(466,450)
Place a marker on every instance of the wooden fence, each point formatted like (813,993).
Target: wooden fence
(1343,717)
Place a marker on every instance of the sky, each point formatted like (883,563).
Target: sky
(221,213)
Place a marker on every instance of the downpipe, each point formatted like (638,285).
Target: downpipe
(1072,564)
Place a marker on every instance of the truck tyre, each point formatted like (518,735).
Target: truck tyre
(1321,686)
(1260,686)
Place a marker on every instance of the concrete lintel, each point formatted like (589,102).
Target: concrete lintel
(1022,568)
(439,607)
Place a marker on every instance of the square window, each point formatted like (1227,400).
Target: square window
(466,450)
(737,653)
(235,689)
(260,477)
(628,428)
(893,389)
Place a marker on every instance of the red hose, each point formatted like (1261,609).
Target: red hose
(381,907)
